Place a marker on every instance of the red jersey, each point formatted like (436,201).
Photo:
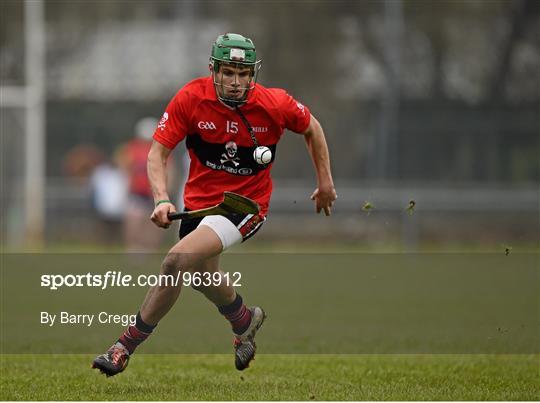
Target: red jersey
(137,155)
(219,143)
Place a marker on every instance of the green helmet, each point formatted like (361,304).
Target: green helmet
(235,50)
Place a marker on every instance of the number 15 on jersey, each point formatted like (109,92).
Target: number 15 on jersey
(232,127)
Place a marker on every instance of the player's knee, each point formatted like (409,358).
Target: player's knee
(171,264)
(179,258)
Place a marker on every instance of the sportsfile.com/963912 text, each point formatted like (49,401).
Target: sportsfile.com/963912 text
(118,279)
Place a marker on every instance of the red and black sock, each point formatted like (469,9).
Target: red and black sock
(136,334)
(237,314)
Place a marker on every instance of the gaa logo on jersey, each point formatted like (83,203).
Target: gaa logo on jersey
(206,125)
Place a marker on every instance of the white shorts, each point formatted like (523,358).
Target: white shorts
(224,229)
(230,229)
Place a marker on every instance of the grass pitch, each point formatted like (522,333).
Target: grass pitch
(474,318)
(275,377)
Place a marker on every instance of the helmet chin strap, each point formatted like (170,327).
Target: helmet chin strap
(233,104)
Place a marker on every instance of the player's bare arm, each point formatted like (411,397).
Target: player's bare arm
(157,175)
(325,193)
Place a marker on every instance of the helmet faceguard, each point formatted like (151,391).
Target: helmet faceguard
(235,51)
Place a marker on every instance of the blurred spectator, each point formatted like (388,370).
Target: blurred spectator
(81,161)
(108,186)
(140,235)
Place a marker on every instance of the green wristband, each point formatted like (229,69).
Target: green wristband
(163,201)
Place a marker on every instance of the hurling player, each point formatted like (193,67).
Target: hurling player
(223,118)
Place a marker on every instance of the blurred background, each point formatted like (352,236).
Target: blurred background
(431,112)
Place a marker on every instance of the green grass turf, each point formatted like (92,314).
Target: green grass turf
(306,245)
(276,377)
(389,303)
